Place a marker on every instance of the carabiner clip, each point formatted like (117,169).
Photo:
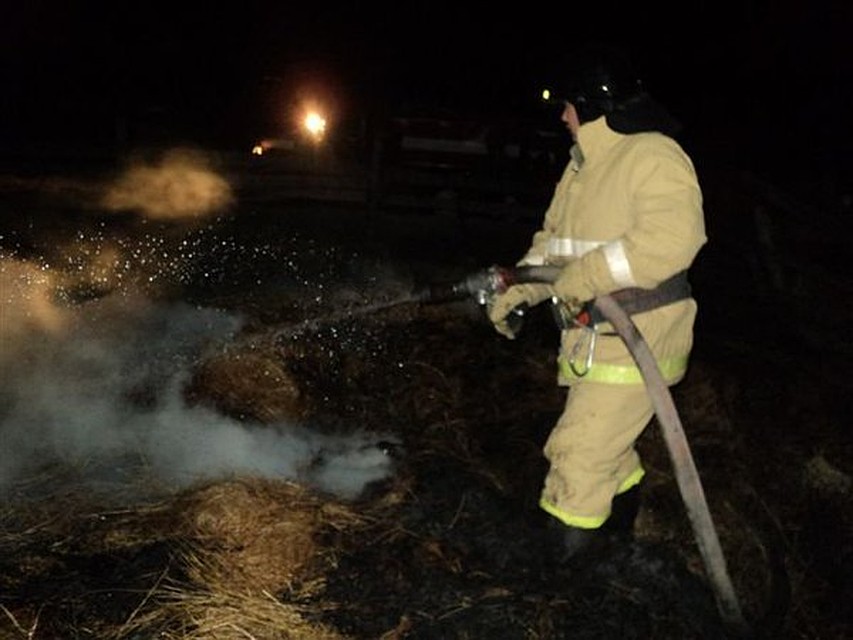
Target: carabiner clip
(586,338)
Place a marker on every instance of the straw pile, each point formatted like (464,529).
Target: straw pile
(251,559)
(249,383)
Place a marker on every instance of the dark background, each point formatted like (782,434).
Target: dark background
(760,85)
(763,89)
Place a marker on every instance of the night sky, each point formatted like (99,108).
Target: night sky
(751,80)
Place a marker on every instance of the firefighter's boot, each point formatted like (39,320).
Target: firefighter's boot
(570,544)
(577,542)
(623,512)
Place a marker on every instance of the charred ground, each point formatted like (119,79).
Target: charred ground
(452,544)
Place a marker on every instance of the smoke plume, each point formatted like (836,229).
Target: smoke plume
(98,387)
(181,184)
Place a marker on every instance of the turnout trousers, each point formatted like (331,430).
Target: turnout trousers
(591,451)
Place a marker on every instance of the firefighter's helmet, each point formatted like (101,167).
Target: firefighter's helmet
(596,79)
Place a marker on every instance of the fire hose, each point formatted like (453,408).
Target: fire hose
(486,283)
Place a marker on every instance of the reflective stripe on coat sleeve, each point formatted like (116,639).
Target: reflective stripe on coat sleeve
(617,261)
(571,247)
(614,255)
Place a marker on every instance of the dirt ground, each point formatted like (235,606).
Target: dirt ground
(451,544)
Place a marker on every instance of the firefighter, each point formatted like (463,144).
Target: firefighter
(626,219)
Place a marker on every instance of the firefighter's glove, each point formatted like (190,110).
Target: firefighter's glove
(506,309)
(571,289)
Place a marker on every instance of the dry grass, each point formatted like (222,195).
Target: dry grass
(256,558)
(257,534)
(221,612)
(245,558)
(251,383)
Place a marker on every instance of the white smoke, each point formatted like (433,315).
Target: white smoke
(181,184)
(99,387)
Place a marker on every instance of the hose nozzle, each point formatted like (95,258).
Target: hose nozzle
(439,293)
(483,285)
(480,285)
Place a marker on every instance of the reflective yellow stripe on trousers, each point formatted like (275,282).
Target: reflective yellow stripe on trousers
(591,522)
(670,368)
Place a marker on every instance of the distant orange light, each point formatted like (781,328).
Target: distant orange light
(315,124)
(258,150)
